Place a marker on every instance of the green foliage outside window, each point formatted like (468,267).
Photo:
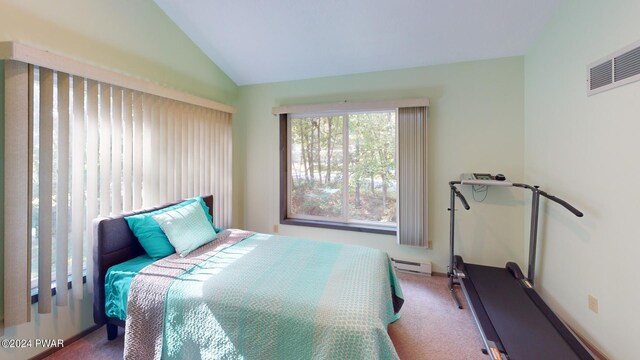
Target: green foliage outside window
(321,173)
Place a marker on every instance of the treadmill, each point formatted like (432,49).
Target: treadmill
(513,320)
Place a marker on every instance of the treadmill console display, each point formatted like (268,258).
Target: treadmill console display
(484,179)
(481,176)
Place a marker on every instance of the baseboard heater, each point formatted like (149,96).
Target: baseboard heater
(412,266)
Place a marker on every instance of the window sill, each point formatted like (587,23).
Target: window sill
(340,226)
(34,294)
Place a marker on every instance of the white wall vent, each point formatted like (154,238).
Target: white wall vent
(412,266)
(617,69)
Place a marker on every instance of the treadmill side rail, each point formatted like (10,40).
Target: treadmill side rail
(488,333)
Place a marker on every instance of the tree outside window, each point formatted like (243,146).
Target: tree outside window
(342,167)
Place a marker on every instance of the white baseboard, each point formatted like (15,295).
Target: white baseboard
(422,268)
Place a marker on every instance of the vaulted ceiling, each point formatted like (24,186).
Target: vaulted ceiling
(259,41)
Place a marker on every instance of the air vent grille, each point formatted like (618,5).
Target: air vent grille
(619,68)
(627,64)
(601,75)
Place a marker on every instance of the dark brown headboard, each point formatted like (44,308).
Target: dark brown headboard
(115,243)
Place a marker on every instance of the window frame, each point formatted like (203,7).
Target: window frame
(312,221)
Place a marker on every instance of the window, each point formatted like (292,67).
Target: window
(94,143)
(97,149)
(341,170)
(106,125)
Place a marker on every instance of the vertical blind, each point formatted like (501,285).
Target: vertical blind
(412,176)
(17,188)
(101,150)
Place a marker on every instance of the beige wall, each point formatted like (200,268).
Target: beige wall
(475,124)
(63,323)
(130,37)
(585,149)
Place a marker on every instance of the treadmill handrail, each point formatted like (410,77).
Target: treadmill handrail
(553,198)
(568,206)
(455,190)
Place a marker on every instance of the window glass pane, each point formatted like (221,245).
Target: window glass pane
(372,169)
(319,174)
(316,166)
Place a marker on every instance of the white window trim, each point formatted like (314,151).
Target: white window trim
(349,106)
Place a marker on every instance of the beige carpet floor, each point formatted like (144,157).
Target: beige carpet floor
(431,327)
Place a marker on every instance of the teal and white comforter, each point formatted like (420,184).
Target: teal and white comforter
(258,296)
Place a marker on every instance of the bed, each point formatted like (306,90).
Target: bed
(244,295)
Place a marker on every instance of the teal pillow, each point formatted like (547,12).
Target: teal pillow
(187,228)
(149,233)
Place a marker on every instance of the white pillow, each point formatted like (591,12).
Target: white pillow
(187,228)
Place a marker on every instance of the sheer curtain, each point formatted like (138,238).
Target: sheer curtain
(78,148)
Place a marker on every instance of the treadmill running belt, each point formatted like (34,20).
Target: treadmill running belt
(509,307)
